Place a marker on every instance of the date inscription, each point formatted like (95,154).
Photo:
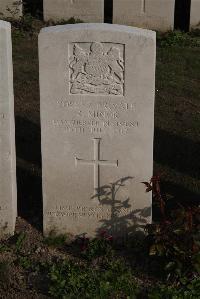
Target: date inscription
(96,118)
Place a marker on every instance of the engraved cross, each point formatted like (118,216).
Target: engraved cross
(143,6)
(96,162)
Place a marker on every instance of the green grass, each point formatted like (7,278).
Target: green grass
(72,280)
(177,120)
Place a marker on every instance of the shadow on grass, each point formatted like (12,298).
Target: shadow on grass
(181,155)
(28,141)
(177,152)
(29,182)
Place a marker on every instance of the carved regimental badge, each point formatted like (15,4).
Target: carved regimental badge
(96,68)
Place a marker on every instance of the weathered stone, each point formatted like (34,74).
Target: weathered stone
(11,8)
(150,14)
(90,11)
(195,14)
(8,195)
(97,119)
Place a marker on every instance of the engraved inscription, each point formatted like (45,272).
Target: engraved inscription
(83,117)
(96,68)
(96,162)
(86,212)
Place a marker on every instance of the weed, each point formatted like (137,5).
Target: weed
(55,240)
(28,25)
(100,246)
(188,289)
(63,22)
(19,243)
(25,262)
(4,247)
(175,240)
(4,272)
(71,280)
(178,38)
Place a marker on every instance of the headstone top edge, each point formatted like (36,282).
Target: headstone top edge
(99,26)
(5,25)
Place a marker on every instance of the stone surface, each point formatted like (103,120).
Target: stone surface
(8,194)
(195,14)
(150,14)
(11,8)
(89,11)
(97,119)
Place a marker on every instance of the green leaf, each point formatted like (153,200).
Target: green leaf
(152,250)
(170,266)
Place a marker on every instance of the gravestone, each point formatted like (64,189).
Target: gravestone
(195,14)
(97,119)
(89,11)
(150,14)
(8,194)
(11,8)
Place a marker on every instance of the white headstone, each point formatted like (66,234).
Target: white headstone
(89,11)
(8,194)
(10,8)
(195,14)
(97,119)
(150,14)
